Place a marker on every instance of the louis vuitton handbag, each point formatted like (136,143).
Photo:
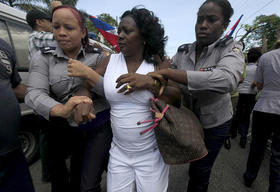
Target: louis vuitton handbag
(178,132)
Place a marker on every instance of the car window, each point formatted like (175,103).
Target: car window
(20,33)
(4,32)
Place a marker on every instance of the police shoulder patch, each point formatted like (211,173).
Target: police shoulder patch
(224,41)
(47,49)
(236,50)
(184,48)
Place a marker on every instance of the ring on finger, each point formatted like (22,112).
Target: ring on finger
(128,87)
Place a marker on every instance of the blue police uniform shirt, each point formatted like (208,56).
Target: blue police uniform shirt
(9,107)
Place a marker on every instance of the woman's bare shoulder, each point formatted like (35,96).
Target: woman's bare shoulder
(102,65)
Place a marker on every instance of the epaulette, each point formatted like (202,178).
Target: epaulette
(222,42)
(183,48)
(47,49)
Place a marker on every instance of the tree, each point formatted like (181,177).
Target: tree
(263,27)
(24,5)
(47,3)
(43,5)
(107,19)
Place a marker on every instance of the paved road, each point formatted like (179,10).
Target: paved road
(226,175)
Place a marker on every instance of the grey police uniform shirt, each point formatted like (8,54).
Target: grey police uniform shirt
(268,73)
(211,79)
(245,87)
(49,83)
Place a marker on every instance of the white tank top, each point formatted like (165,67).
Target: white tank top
(127,110)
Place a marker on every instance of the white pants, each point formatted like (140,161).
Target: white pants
(147,169)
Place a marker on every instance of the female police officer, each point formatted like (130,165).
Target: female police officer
(210,69)
(49,90)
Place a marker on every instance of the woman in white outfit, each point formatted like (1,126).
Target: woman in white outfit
(133,157)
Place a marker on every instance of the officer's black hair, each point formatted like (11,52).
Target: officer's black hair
(226,8)
(152,32)
(254,54)
(82,22)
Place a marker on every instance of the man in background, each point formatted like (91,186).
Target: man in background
(42,34)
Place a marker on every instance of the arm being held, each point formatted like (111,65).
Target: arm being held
(38,92)
(78,69)
(66,110)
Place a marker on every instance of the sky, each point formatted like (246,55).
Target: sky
(179,16)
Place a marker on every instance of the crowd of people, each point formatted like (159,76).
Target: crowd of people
(90,102)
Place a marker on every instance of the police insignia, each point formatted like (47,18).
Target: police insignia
(5,62)
(236,50)
(207,68)
(48,49)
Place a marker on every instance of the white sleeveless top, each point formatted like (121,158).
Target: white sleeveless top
(127,110)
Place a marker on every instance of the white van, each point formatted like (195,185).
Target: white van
(15,31)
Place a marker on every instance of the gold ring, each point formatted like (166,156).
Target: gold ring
(128,87)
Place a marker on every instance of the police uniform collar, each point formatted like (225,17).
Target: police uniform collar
(251,63)
(59,52)
(206,49)
(219,43)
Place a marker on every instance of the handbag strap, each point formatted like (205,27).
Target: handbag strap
(156,120)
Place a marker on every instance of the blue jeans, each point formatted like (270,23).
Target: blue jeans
(264,125)
(199,171)
(246,103)
(14,173)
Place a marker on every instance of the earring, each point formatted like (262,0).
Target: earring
(144,42)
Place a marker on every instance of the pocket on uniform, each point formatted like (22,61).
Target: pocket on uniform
(208,116)
(61,84)
(210,113)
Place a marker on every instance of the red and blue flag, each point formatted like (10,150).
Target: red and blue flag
(231,31)
(108,32)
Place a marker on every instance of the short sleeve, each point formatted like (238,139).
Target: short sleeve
(259,73)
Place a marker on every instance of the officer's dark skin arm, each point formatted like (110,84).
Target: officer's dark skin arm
(179,76)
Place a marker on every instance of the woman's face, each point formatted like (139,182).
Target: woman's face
(67,31)
(129,37)
(210,24)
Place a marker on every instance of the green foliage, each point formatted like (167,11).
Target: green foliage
(263,26)
(43,5)
(107,19)
(24,5)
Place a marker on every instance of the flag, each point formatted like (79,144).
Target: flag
(108,32)
(231,31)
